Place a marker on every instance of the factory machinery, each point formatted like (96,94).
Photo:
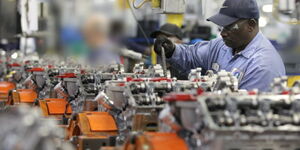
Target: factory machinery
(70,106)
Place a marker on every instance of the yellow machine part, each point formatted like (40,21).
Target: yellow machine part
(123,4)
(175,19)
(155,3)
(292,79)
(10,74)
(153,56)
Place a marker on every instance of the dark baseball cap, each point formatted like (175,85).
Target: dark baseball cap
(233,10)
(169,30)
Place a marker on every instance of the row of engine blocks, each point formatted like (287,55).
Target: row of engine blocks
(106,108)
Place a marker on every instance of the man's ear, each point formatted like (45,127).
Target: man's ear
(253,22)
(252,25)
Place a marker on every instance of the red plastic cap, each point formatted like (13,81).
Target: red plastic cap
(285,92)
(138,80)
(196,80)
(179,97)
(199,80)
(14,65)
(130,79)
(160,79)
(67,75)
(252,93)
(200,91)
(36,70)
(121,84)
(82,71)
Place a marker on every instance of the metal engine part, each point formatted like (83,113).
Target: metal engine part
(23,128)
(237,120)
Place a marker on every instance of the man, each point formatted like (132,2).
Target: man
(173,33)
(96,35)
(242,50)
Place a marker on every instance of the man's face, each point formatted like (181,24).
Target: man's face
(236,35)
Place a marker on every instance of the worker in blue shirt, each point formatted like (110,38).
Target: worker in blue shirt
(242,50)
(101,50)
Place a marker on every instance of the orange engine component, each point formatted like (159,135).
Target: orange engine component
(92,126)
(5,87)
(54,107)
(22,96)
(95,123)
(156,141)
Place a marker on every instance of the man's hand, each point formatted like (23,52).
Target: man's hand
(163,41)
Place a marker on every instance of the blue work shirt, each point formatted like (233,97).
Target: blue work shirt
(255,67)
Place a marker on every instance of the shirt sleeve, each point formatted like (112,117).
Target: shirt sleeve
(187,57)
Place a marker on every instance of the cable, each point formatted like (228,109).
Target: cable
(139,25)
(140,5)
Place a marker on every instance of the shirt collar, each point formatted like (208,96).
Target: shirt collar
(251,47)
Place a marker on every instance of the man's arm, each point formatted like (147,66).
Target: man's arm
(187,57)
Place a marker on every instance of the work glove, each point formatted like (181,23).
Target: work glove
(163,41)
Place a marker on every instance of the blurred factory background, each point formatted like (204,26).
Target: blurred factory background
(43,27)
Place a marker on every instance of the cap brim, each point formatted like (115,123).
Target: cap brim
(222,20)
(155,33)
